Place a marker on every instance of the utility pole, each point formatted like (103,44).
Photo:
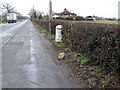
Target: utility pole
(119,20)
(50,9)
(50,14)
(33,13)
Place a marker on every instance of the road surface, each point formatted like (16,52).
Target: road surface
(7,31)
(29,60)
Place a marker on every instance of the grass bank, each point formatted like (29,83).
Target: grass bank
(44,31)
(3,20)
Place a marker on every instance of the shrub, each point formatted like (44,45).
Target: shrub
(59,18)
(79,18)
(83,60)
(100,42)
(68,18)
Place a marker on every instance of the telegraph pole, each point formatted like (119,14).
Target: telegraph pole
(50,9)
(50,14)
(33,13)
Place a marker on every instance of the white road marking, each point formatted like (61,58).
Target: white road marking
(32,68)
(3,35)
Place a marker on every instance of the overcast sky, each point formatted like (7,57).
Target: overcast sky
(104,8)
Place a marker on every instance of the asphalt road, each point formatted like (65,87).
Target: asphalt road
(30,61)
(7,31)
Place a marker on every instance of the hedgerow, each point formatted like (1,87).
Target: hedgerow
(100,42)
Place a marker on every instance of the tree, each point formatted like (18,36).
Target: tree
(40,17)
(39,14)
(32,12)
(9,8)
(79,18)
(35,14)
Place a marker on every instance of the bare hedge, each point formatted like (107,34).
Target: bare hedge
(100,42)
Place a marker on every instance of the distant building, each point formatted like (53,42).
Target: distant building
(65,14)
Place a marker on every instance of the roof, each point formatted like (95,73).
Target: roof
(65,12)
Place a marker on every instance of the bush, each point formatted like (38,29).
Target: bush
(79,18)
(59,18)
(68,18)
(100,42)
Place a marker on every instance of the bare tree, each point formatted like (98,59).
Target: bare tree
(31,13)
(9,8)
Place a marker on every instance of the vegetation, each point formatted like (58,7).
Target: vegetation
(9,8)
(82,60)
(0,19)
(44,31)
(107,21)
(105,84)
(67,49)
(59,44)
(102,22)
(79,18)
(3,19)
(97,61)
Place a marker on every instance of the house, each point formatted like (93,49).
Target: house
(65,14)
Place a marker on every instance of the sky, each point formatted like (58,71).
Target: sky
(101,8)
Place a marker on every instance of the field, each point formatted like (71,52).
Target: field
(107,21)
(103,21)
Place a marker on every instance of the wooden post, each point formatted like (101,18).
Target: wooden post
(50,14)
(119,16)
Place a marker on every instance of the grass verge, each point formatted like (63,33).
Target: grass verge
(43,31)
(3,20)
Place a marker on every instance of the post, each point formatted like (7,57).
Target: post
(50,14)
(118,70)
(119,16)
(33,13)
(58,33)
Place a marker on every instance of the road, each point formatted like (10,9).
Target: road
(30,61)
(7,31)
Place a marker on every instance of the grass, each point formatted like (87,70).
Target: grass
(59,44)
(2,20)
(51,36)
(103,21)
(105,84)
(39,28)
(107,21)
(83,60)
(42,30)
(67,49)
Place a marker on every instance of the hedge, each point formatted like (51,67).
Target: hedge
(100,42)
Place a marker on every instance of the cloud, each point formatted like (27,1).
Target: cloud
(105,8)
